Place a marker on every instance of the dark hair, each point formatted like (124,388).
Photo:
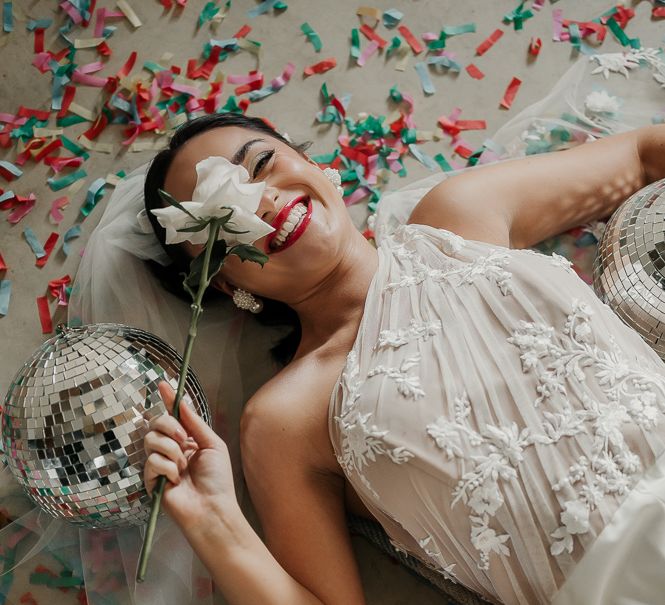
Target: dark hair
(274,313)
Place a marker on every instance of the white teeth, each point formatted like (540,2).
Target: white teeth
(292,220)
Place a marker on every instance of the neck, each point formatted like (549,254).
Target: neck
(331,315)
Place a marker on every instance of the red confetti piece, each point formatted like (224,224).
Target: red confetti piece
(243,31)
(52,146)
(21,210)
(463,151)
(48,248)
(474,72)
(658,12)
(490,41)
(3,265)
(320,67)
(44,315)
(28,599)
(39,40)
(372,35)
(56,206)
(27,112)
(511,91)
(416,47)
(534,46)
(67,99)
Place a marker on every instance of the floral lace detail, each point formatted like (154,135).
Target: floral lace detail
(401,336)
(361,442)
(623,62)
(600,102)
(555,259)
(444,568)
(408,385)
(633,397)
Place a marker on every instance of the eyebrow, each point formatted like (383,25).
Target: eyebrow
(239,156)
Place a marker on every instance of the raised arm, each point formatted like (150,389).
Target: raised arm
(522,202)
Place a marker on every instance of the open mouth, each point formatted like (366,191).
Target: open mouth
(289,224)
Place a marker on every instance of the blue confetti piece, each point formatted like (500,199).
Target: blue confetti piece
(7,195)
(423,158)
(72,232)
(7,17)
(34,24)
(443,61)
(425,80)
(5,294)
(95,193)
(262,8)
(34,243)
(392,17)
(9,167)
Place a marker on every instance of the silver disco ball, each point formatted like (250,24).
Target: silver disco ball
(75,416)
(629,269)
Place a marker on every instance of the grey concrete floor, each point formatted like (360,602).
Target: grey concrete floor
(292,110)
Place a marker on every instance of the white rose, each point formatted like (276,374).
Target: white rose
(600,102)
(220,186)
(575,517)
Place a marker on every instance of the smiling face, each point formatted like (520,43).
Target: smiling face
(312,227)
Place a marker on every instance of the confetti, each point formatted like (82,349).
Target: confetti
(48,248)
(320,67)
(21,210)
(33,242)
(7,17)
(70,234)
(57,205)
(3,265)
(5,295)
(410,39)
(9,171)
(369,11)
(511,91)
(44,316)
(369,50)
(371,35)
(312,36)
(490,41)
(392,17)
(534,46)
(65,181)
(474,72)
(425,80)
(265,6)
(132,17)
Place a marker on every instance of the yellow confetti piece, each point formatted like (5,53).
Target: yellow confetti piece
(403,53)
(369,11)
(113,179)
(132,17)
(48,132)
(249,46)
(95,146)
(84,112)
(166,57)
(155,145)
(87,42)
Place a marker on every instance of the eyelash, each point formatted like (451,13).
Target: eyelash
(264,159)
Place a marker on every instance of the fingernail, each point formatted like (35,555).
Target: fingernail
(180,434)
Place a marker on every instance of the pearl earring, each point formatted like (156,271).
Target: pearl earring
(332,174)
(245,300)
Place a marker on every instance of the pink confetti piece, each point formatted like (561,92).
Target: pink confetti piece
(21,211)
(511,91)
(367,52)
(474,72)
(56,206)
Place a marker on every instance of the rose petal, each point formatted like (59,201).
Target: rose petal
(212,173)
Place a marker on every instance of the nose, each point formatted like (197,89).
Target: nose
(268,205)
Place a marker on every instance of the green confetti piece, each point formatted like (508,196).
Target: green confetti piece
(456,30)
(395,43)
(441,161)
(326,158)
(65,181)
(355,43)
(208,13)
(392,17)
(312,36)
(153,67)
(409,135)
(73,147)
(7,17)
(395,94)
(70,120)
(45,579)
(620,35)
(231,105)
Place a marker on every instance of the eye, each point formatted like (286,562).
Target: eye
(263,159)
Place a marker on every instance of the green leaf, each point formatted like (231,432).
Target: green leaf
(173,202)
(217,257)
(251,253)
(229,230)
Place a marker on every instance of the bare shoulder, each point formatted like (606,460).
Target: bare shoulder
(291,412)
(465,205)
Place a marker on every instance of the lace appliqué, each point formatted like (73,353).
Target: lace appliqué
(623,62)
(361,442)
(555,259)
(401,336)
(442,567)
(408,385)
(633,396)
(479,488)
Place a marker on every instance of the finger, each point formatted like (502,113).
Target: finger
(167,394)
(197,428)
(158,465)
(169,426)
(157,442)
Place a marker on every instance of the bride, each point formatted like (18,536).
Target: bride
(487,409)
(471,395)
